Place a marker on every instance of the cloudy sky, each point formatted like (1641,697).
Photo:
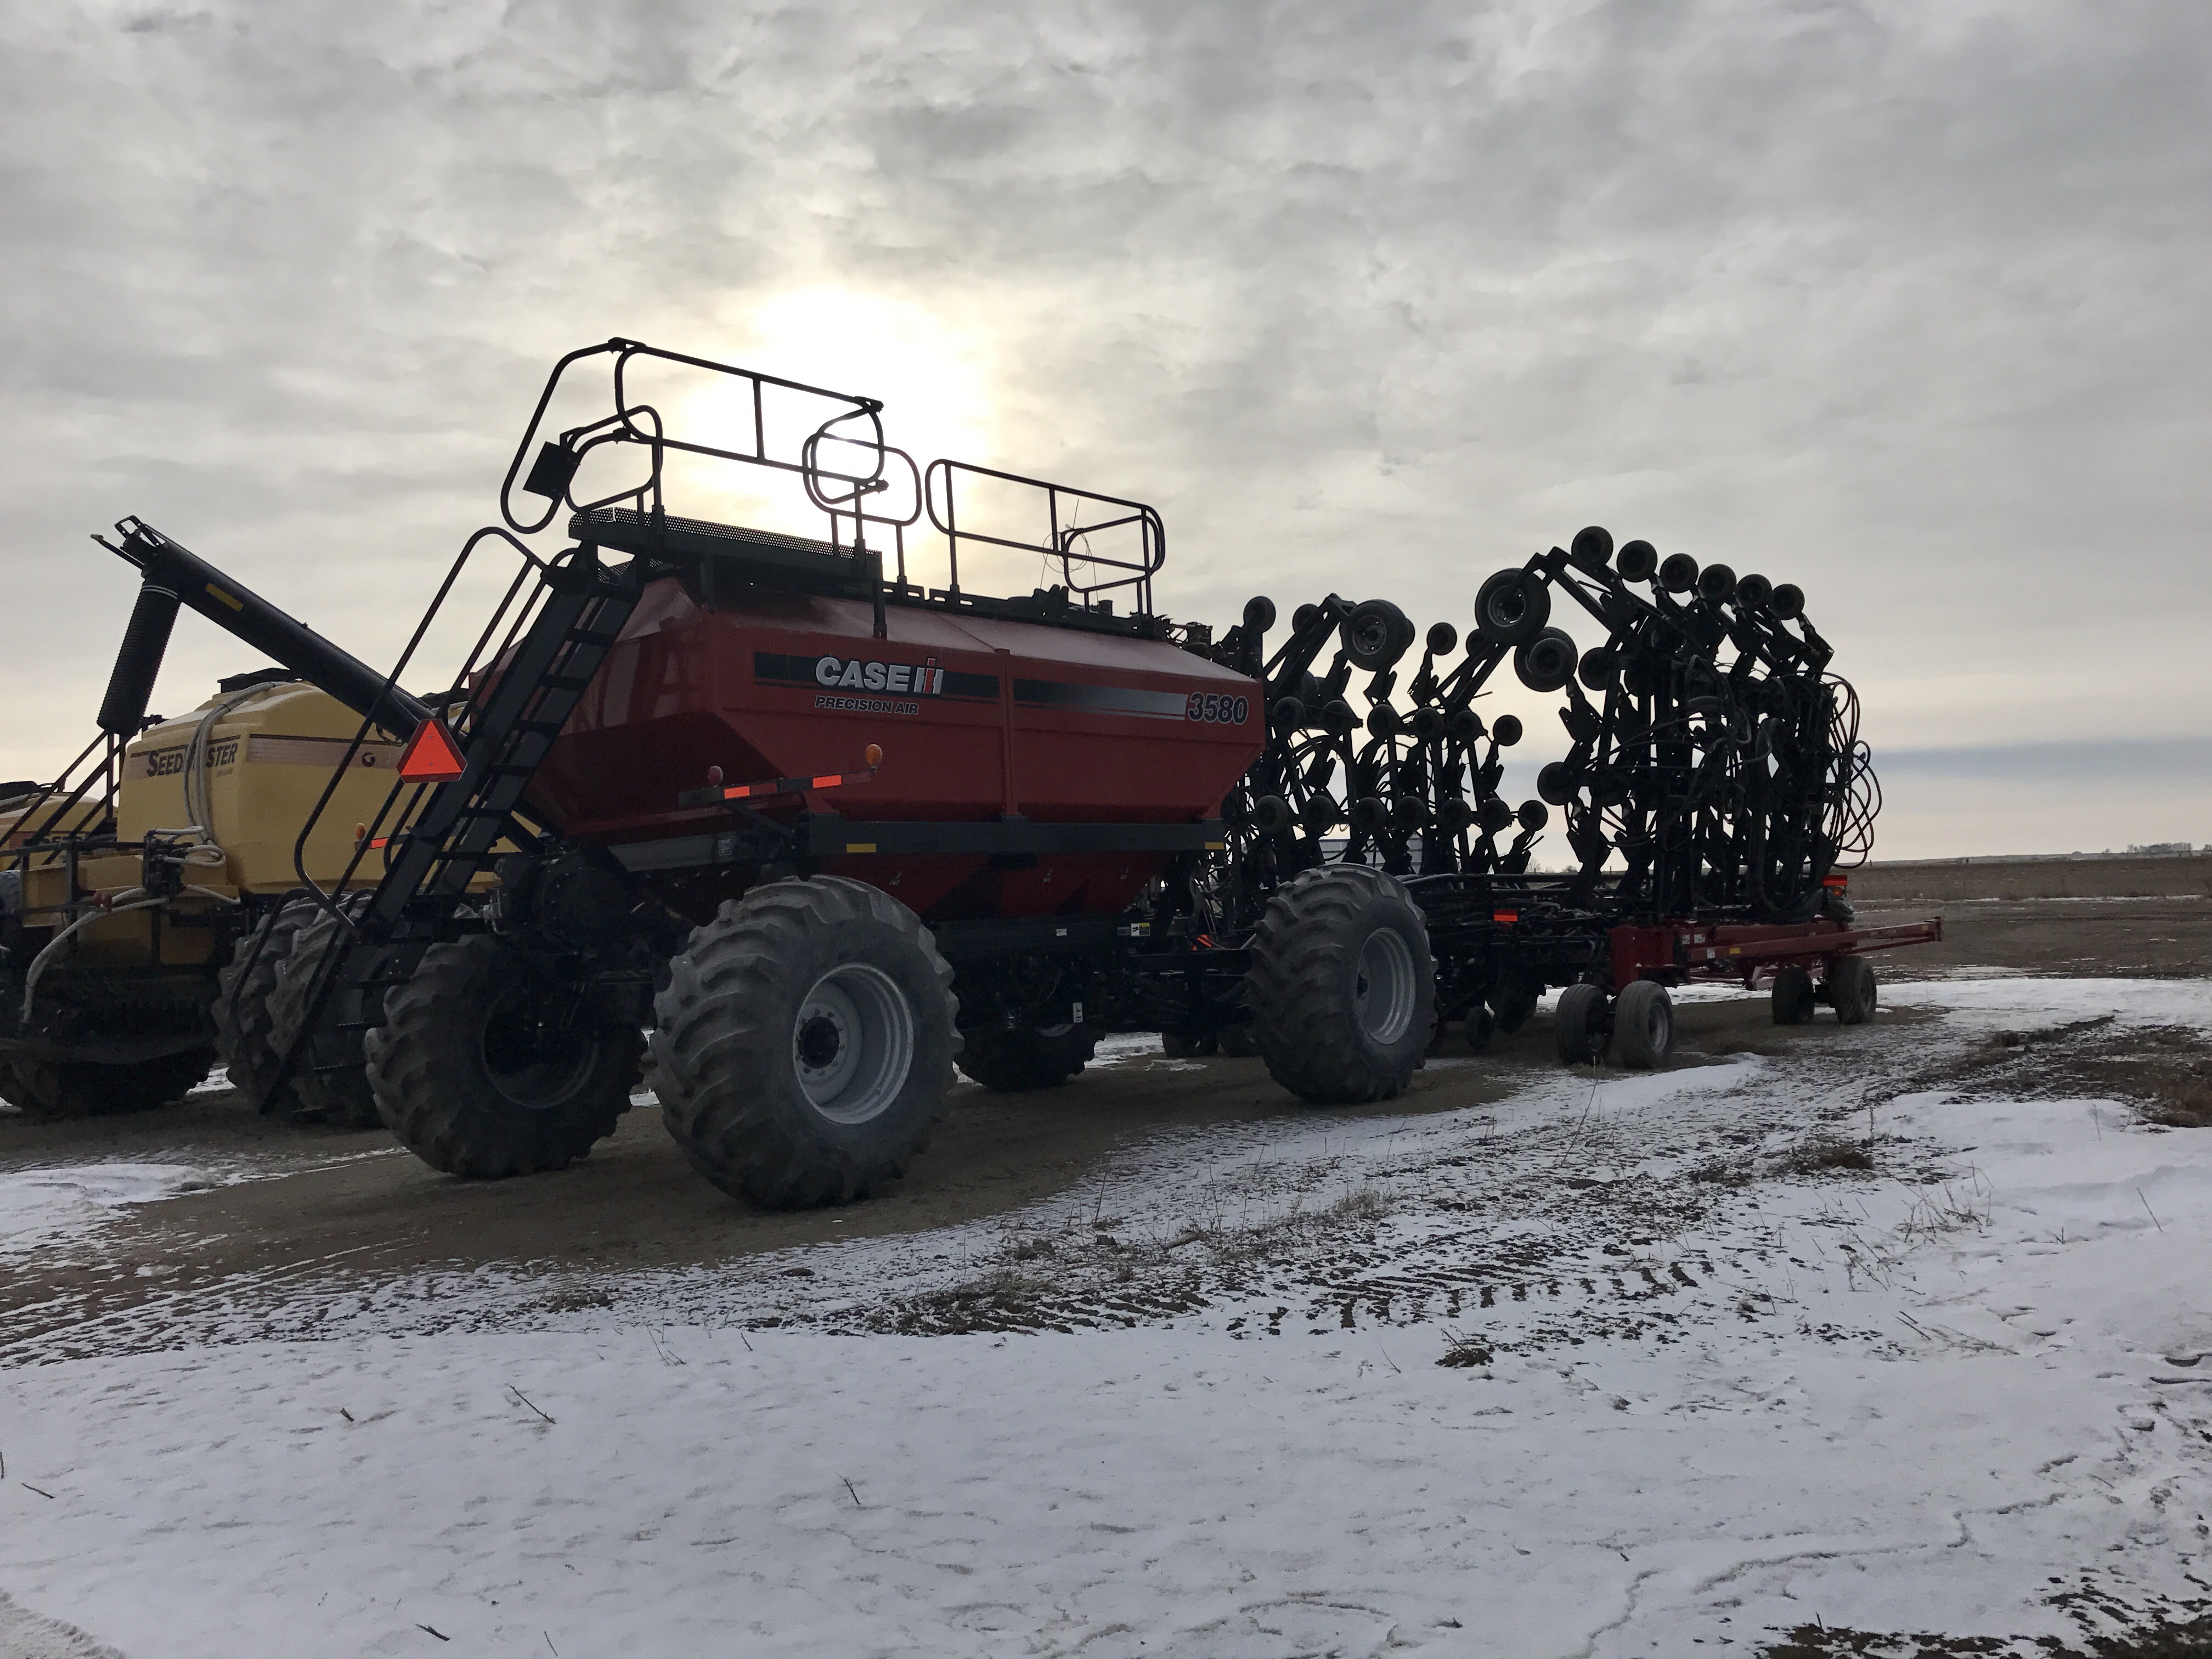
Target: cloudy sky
(1905,302)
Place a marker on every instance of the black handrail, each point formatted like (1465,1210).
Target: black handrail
(1061,539)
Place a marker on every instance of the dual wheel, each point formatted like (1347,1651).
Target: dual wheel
(804,1045)
(1638,1029)
(263,994)
(1850,990)
(1340,992)
(1635,1031)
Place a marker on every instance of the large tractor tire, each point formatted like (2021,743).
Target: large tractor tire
(330,1080)
(1341,986)
(245,1025)
(1013,1062)
(806,1042)
(484,1068)
(46,1089)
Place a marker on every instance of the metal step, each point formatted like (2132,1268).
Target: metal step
(551,664)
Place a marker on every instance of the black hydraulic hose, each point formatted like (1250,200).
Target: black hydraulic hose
(175,575)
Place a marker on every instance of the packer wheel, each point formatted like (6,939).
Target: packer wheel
(806,1042)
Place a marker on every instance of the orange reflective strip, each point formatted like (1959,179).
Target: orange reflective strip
(830,782)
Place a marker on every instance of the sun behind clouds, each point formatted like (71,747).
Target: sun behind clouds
(930,368)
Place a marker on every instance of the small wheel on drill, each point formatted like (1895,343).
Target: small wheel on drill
(1642,1026)
(1512,605)
(1850,990)
(1794,997)
(1513,1000)
(1578,1024)
(1237,1043)
(806,1039)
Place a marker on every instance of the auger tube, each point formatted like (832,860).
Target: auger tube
(175,575)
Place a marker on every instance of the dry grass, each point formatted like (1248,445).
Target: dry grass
(1232,1232)
(1468,1351)
(2111,1631)
(1723,1172)
(2165,1072)
(1720,1048)
(1875,1253)
(1823,1154)
(991,1303)
(2172,1078)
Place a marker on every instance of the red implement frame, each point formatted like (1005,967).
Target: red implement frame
(1749,952)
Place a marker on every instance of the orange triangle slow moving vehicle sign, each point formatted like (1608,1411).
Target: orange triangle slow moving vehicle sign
(431,756)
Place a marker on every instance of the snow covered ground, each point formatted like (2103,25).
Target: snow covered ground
(1627,1366)
(41,1208)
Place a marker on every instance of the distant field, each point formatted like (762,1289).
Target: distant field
(2027,879)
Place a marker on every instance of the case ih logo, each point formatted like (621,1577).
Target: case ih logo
(856,675)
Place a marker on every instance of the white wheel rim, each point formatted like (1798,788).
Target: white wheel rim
(852,1042)
(1382,993)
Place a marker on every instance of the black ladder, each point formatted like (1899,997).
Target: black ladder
(529,691)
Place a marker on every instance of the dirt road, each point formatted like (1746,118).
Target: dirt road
(285,1202)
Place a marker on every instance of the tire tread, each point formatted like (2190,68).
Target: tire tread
(1301,1023)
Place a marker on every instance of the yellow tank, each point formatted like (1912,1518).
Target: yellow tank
(115,935)
(245,769)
